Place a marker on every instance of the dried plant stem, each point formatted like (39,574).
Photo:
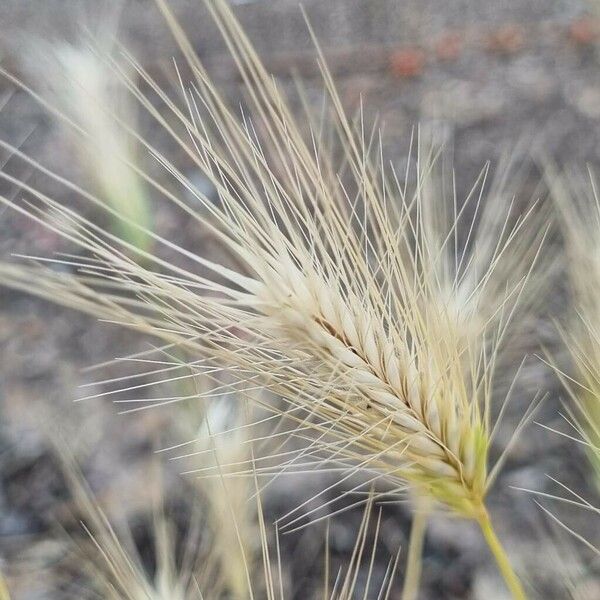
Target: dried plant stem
(4,594)
(414,562)
(496,548)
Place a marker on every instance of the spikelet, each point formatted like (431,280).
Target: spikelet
(222,441)
(578,205)
(203,557)
(490,280)
(579,210)
(188,567)
(331,299)
(113,566)
(80,85)
(219,442)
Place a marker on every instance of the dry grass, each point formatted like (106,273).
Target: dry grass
(77,81)
(579,208)
(191,565)
(344,295)
(577,201)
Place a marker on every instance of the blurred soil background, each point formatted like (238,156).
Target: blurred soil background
(517,77)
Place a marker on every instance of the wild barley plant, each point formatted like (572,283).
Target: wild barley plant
(576,198)
(487,283)
(331,298)
(112,567)
(188,566)
(580,219)
(481,279)
(222,446)
(79,84)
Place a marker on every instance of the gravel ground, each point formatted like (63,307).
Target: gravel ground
(487,78)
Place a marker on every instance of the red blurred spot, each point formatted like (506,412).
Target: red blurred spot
(448,47)
(583,31)
(508,39)
(408,62)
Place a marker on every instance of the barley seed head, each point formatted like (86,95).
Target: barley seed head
(332,297)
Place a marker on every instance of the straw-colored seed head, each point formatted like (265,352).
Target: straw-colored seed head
(335,301)
(190,565)
(80,83)
(578,203)
(337,296)
(410,411)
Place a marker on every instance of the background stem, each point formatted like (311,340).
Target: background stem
(4,594)
(414,561)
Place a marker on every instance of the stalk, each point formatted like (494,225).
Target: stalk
(414,562)
(510,577)
(4,593)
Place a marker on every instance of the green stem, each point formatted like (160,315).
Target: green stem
(414,562)
(510,577)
